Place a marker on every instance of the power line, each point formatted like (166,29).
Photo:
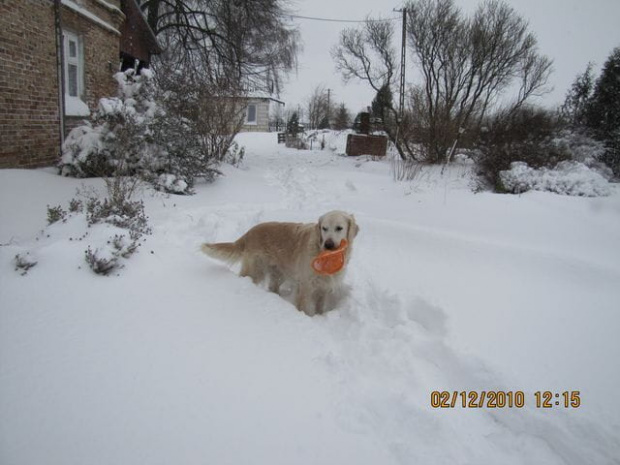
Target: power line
(333,20)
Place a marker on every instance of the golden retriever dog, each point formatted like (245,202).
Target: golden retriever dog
(283,252)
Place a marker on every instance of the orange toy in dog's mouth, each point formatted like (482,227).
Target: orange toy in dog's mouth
(330,261)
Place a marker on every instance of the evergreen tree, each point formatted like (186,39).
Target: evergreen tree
(343,118)
(357,122)
(603,116)
(575,108)
(324,123)
(604,108)
(292,127)
(381,104)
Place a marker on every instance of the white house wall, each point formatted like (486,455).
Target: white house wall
(262,116)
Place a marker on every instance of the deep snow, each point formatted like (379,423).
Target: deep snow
(178,360)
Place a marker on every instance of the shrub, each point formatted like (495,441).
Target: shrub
(122,213)
(567,178)
(105,260)
(235,155)
(118,140)
(584,149)
(527,135)
(405,170)
(55,214)
(167,135)
(99,263)
(75,206)
(116,209)
(23,263)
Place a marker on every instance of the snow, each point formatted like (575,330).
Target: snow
(567,177)
(178,360)
(110,106)
(74,106)
(172,183)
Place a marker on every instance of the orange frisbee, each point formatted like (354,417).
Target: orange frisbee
(330,261)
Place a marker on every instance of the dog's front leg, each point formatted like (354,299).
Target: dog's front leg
(319,304)
(303,301)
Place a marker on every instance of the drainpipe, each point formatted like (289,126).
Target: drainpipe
(60,69)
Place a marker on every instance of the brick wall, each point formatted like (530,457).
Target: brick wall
(101,48)
(29,106)
(29,117)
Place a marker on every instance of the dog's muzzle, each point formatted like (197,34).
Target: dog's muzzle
(329,244)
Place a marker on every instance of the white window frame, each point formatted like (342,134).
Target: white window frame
(77,61)
(247,114)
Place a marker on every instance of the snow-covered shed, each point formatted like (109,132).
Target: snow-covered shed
(263,112)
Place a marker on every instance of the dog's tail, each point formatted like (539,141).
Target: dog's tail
(229,252)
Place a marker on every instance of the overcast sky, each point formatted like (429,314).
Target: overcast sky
(570,32)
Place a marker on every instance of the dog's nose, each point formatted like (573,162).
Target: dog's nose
(329,244)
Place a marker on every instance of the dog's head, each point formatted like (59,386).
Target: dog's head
(335,226)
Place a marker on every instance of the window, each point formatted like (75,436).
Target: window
(74,75)
(73,65)
(251,114)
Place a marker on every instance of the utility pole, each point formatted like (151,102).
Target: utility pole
(329,93)
(403,54)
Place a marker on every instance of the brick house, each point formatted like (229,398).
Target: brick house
(57,59)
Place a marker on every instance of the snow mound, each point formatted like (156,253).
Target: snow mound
(567,178)
(172,183)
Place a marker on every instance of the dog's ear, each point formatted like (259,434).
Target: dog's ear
(353,229)
(318,230)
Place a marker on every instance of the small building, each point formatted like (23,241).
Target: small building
(263,113)
(57,59)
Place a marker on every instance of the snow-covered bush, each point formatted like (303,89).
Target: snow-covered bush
(23,263)
(235,154)
(148,133)
(584,149)
(118,140)
(527,135)
(202,120)
(567,178)
(107,259)
(119,212)
(114,226)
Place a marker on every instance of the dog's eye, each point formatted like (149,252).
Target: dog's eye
(324,228)
(338,228)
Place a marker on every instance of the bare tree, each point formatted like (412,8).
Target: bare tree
(225,41)
(574,109)
(367,54)
(318,107)
(215,53)
(468,63)
(465,64)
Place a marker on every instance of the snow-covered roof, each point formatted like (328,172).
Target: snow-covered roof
(264,96)
(81,10)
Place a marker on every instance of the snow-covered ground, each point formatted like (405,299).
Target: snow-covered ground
(179,361)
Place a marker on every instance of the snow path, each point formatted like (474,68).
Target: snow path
(180,361)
